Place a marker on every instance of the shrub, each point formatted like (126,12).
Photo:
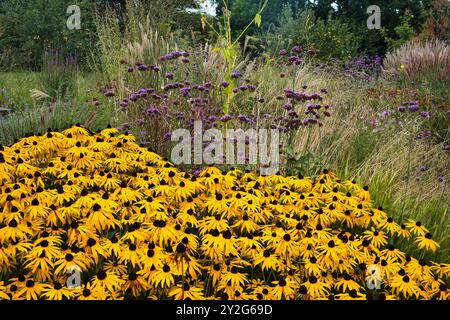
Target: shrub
(404,31)
(333,37)
(136,227)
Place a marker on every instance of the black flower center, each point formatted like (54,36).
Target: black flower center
(69,257)
(312,279)
(101,275)
(91,242)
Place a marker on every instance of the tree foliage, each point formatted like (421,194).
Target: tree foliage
(353,12)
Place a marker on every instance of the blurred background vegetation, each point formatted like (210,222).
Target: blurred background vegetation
(337,28)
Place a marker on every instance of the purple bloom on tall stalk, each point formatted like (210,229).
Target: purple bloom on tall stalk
(225,84)
(441,179)
(287,106)
(212,118)
(123,127)
(413,108)
(123,104)
(167,136)
(152,111)
(283,52)
(226,118)
(235,74)
(261,100)
(251,87)
(297,49)
(143,67)
(109,93)
(423,168)
(140,122)
(130,69)
(242,117)
(425,114)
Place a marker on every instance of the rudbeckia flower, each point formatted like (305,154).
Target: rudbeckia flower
(139,228)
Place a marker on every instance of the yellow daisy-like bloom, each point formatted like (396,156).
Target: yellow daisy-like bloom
(186,291)
(57,292)
(31,291)
(284,289)
(123,223)
(406,286)
(315,288)
(425,242)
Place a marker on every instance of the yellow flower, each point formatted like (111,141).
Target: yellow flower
(137,227)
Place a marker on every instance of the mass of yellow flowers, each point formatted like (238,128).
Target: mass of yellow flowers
(137,227)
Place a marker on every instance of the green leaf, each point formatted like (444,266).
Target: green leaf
(258,20)
(203,21)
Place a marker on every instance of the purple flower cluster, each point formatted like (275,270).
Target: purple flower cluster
(412,106)
(174,55)
(235,74)
(171,104)
(143,67)
(302,96)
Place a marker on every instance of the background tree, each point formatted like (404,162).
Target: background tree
(30,27)
(353,12)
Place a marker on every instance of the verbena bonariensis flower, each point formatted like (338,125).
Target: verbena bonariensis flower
(297,49)
(235,74)
(425,114)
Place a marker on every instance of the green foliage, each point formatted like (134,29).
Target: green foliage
(15,89)
(333,37)
(30,27)
(404,32)
(57,116)
(279,22)
(243,11)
